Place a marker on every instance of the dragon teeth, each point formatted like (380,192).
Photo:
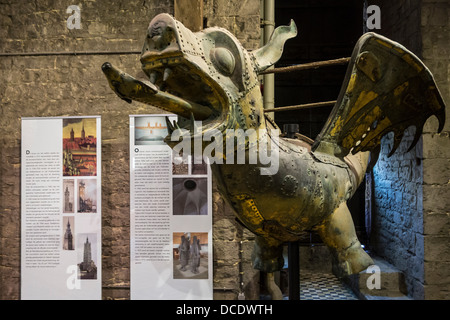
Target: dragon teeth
(193,125)
(153,77)
(167,73)
(169,125)
(175,124)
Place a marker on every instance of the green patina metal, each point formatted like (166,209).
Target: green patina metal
(209,76)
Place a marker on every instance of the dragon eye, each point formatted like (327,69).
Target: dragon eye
(223,60)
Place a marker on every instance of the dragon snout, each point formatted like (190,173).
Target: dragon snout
(106,67)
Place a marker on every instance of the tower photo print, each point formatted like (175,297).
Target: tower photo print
(79,147)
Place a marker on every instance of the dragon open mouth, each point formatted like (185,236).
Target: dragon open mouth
(176,75)
(174,85)
(178,79)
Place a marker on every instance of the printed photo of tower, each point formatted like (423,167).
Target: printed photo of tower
(68,226)
(68,189)
(87,195)
(80,147)
(86,248)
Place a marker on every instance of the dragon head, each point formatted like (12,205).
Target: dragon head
(205,76)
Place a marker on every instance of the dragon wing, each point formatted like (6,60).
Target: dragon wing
(386,89)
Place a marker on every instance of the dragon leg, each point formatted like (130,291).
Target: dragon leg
(267,255)
(338,233)
(273,288)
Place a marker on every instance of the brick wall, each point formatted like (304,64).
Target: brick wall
(411,220)
(435,29)
(67,85)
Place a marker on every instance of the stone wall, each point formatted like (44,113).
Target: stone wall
(397,223)
(435,29)
(411,218)
(70,85)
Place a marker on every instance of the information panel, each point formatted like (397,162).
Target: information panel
(170,217)
(61,208)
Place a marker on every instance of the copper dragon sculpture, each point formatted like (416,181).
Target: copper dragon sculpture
(208,76)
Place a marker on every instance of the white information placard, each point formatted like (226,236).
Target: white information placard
(170,217)
(61,208)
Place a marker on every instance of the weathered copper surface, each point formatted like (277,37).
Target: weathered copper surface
(209,76)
